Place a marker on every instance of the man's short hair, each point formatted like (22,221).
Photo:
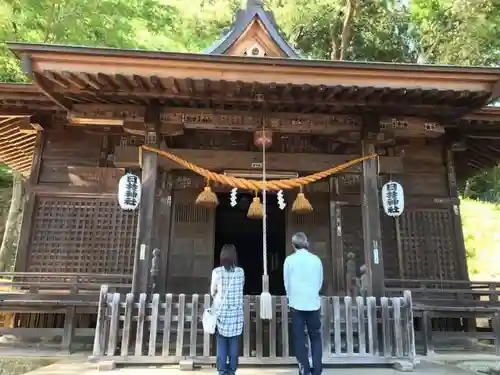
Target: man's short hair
(299,241)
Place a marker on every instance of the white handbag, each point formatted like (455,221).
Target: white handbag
(210,315)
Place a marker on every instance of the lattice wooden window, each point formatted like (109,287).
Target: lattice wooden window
(427,241)
(82,235)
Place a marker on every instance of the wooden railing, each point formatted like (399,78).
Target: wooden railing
(58,293)
(167,329)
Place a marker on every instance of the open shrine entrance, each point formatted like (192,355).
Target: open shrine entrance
(232,226)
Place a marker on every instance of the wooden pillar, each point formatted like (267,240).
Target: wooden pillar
(164,229)
(69,329)
(372,237)
(337,250)
(456,218)
(146,241)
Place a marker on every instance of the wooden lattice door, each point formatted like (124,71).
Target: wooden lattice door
(427,244)
(192,245)
(316,226)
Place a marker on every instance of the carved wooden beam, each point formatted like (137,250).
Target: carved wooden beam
(173,120)
(410,127)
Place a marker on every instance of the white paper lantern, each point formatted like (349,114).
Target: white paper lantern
(129,192)
(393,198)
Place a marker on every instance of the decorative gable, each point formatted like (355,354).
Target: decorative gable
(254,33)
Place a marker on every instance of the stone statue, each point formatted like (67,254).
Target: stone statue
(363,281)
(155,267)
(350,275)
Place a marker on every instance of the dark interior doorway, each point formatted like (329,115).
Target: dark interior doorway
(233,227)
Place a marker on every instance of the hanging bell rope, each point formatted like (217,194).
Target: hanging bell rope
(255,185)
(266,300)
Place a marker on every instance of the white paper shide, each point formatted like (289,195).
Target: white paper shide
(129,192)
(393,198)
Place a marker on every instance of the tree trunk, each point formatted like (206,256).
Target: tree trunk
(9,241)
(467,189)
(346,36)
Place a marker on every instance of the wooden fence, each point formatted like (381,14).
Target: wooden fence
(167,329)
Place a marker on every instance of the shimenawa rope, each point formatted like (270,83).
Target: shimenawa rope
(255,185)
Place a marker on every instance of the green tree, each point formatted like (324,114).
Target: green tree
(484,186)
(369,30)
(457,32)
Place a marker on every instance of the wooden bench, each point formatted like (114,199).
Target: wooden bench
(465,301)
(57,293)
(471,310)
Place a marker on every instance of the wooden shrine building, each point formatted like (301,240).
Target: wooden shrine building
(77,128)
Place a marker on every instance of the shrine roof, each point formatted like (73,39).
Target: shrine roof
(115,76)
(254,11)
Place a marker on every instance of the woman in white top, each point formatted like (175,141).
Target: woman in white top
(226,289)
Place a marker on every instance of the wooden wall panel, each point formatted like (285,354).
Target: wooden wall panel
(349,183)
(425,184)
(421,157)
(191,253)
(316,226)
(85,179)
(82,235)
(71,147)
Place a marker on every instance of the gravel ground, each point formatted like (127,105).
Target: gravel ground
(19,366)
(482,367)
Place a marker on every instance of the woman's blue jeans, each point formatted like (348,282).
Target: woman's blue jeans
(227,354)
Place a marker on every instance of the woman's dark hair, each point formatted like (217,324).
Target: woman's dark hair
(228,256)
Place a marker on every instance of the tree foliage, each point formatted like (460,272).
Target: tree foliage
(481,241)
(457,31)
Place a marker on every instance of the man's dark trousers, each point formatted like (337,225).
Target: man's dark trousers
(311,320)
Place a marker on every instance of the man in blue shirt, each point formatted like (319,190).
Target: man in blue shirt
(303,277)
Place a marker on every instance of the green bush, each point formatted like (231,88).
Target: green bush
(481,223)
